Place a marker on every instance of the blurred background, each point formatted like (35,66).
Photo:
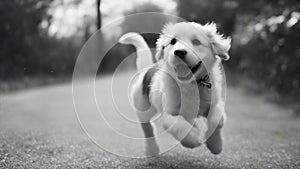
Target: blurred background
(41,39)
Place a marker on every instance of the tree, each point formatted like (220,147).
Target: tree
(143,22)
(25,47)
(203,11)
(99,18)
(19,32)
(266,45)
(265,38)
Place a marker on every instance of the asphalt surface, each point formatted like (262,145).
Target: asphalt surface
(39,129)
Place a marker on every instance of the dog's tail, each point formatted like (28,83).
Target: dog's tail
(144,55)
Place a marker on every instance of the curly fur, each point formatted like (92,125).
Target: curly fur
(175,98)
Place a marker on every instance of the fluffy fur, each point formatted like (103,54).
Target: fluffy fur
(180,48)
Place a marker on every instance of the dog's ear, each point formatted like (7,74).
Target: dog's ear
(159,53)
(162,41)
(219,44)
(167,28)
(160,48)
(221,47)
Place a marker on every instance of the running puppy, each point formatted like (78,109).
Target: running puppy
(188,59)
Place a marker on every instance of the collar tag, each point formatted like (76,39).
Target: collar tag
(203,82)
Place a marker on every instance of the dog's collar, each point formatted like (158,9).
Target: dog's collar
(204,81)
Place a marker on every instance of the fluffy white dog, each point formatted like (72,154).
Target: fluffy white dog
(184,82)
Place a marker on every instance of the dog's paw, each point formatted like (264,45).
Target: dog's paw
(152,148)
(215,142)
(192,139)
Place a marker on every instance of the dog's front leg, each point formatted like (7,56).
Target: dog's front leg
(182,130)
(215,121)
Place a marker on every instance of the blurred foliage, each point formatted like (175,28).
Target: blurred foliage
(144,22)
(135,23)
(203,11)
(25,49)
(265,38)
(268,51)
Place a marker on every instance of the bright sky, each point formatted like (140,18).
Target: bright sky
(69,17)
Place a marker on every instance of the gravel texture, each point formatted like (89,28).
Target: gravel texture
(39,129)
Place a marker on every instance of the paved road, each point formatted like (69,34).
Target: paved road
(39,129)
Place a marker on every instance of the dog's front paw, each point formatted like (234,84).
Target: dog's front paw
(152,148)
(215,142)
(192,139)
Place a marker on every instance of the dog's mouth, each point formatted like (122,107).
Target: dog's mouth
(196,67)
(185,73)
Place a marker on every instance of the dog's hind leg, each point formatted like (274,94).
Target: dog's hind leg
(151,145)
(145,113)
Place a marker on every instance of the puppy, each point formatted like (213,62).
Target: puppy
(184,82)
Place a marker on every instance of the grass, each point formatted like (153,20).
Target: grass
(27,82)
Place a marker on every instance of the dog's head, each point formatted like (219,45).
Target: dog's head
(189,47)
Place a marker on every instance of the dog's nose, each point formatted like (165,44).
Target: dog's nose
(180,53)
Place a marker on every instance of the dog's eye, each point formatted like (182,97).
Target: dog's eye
(196,42)
(173,41)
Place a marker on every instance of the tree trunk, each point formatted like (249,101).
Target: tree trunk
(99,19)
